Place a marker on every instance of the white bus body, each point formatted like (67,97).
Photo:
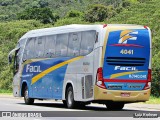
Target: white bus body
(79,64)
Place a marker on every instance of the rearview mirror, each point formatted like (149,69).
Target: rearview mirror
(10,55)
(10,59)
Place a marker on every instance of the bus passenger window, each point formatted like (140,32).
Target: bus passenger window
(50,46)
(61,45)
(39,45)
(29,52)
(74,44)
(87,43)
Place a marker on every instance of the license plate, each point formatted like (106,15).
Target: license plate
(125,94)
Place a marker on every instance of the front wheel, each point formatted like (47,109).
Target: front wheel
(70,98)
(27,100)
(115,106)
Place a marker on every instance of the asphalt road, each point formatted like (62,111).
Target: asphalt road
(10,103)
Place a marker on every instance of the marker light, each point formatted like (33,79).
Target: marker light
(105,25)
(146,27)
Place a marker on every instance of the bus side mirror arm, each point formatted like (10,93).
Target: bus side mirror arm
(9,59)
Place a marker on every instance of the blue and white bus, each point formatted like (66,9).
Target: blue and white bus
(82,64)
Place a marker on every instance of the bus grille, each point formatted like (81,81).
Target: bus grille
(125,61)
(87,86)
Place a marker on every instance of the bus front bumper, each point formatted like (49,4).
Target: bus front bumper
(119,95)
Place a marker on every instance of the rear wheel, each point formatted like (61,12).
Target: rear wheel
(27,100)
(115,106)
(70,98)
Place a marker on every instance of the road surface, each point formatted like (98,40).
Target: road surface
(9,103)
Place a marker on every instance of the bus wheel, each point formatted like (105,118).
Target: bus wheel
(115,106)
(27,100)
(70,98)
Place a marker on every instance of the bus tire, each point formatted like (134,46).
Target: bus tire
(70,103)
(27,100)
(115,106)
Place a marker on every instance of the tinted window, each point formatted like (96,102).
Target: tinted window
(29,51)
(19,52)
(87,43)
(22,42)
(39,45)
(74,44)
(61,45)
(50,46)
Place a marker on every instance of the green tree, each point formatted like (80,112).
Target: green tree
(74,13)
(6,3)
(43,3)
(96,13)
(126,3)
(43,14)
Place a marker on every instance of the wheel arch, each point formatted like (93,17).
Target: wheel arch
(67,84)
(24,84)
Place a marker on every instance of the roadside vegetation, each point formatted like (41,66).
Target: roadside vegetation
(5,92)
(153,100)
(19,16)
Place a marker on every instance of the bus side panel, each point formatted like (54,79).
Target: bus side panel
(45,77)
(16,86)
(50,86)
(80,73)
(97,60)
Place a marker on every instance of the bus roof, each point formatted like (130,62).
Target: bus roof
(71,28)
